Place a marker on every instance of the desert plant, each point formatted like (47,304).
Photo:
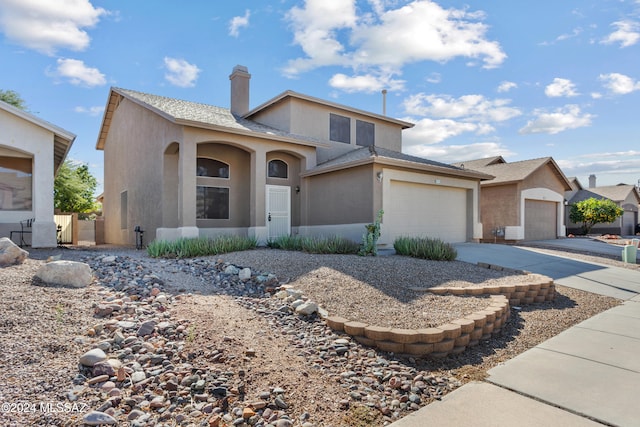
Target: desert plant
(315,244)
(425,248)
(370,238)
(194,247)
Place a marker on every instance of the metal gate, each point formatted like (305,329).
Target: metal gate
(64,226)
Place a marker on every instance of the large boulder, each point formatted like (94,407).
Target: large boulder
(10,253)
(66,273)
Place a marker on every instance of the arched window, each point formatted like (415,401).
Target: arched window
(278,169)
(212,168)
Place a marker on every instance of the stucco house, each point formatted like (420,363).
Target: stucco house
(31,151)
(292,165)
(524,200)
(624,195)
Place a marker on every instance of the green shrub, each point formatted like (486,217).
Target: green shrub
(201,246)
(315,245)
(370,238)
(425,248)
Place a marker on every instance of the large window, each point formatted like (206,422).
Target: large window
(339,128)
(365,133)
(212,168)
(16,183)
(278,169)
(212,202)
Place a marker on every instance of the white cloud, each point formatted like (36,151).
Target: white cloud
(561,87)
(330,32)
(434,78)
(428,131)
(459,153)
(77,73)
(180,72)
(467,107)
(565,118)
(627,33)
(91,111)
(239,22)
(506,86)
(365,83)
(610,168)
(46,26)
(619,84)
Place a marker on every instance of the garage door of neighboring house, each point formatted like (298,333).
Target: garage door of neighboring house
(628,223)
(540,220)
(421,210)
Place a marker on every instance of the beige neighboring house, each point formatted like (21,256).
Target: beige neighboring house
(293,165)
(31,151)
(624,195)
(525,200)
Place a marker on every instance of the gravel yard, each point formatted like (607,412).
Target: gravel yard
(274,366)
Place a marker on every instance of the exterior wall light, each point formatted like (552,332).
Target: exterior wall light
(379,176)
(297,188)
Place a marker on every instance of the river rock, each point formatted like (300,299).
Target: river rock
(66,273)
(10,253)
(91,357)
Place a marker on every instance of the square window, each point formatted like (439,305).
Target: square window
(365,133)
(212,203)
(339,128)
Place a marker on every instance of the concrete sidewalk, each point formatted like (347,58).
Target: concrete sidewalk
(588,375)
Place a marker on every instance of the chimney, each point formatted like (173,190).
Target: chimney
(240,90)
(592,181)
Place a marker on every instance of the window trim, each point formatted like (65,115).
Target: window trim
(278,160)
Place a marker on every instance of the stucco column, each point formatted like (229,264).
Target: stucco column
(187,190)
(257,227)
(44,228)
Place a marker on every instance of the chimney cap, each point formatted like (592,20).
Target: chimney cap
(240,69)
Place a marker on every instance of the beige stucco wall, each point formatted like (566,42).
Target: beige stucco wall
(134,158)
(341,197)
(36,142)
(302,117)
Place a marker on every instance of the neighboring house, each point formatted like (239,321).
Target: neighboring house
(31,151)
(293,165)
(624,195)
(525,200)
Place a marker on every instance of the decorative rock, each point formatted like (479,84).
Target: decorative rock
(91,357)
(244,274)
(95,418)
(307,308)
(138,376)
(146,328)
(66,273)
(108,259)
(10,253)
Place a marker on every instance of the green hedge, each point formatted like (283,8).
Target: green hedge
(315,245)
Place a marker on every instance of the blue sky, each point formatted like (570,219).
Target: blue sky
(517,79)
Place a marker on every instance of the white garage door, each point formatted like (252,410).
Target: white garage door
(540,220)
(420,210)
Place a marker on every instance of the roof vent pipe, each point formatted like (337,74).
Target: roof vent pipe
(384,102)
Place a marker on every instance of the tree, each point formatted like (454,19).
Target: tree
(13,98)
(74,187)
(592,211)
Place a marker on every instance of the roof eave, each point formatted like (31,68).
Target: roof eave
(292,94)
(400,163)
(291,140)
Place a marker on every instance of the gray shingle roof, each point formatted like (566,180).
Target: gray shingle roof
(617,193)
(513,172)
(205,114)
(480,163)
(370,153)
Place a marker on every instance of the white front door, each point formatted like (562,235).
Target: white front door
(278,211)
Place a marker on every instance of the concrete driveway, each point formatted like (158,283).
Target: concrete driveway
(592,277)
